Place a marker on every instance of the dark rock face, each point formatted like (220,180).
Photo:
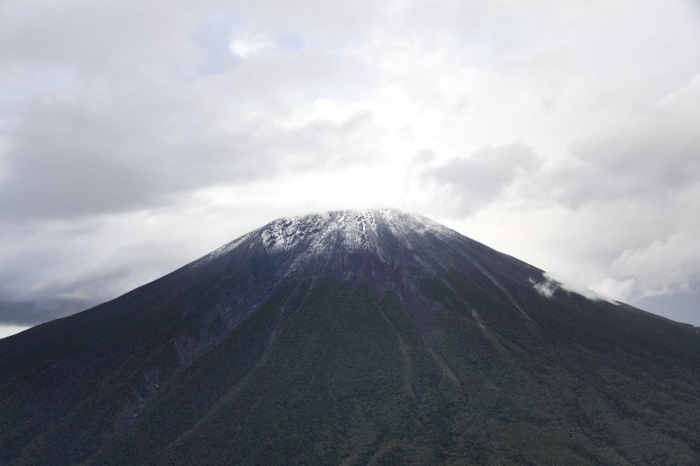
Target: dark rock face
(372,337)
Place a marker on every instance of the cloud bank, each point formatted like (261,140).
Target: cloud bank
(134,138)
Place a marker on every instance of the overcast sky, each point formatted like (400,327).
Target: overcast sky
(138,136)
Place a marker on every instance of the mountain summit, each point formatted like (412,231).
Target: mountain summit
(353,337)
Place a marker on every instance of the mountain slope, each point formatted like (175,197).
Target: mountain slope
(373,337)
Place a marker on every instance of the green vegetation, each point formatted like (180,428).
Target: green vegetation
(326,373)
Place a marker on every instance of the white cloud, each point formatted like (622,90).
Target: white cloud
(613,289)
(8,330)
(663,267)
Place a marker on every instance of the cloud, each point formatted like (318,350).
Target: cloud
(105,38)
(22,314)
(663,267)
(623,196)
(652,157)
(214,36)
(468,183)
(78,158)
(144,111)
(71,159)
(134,138)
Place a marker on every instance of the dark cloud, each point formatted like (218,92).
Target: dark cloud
(27,313)
(68,159)
(73,160)
(472,182)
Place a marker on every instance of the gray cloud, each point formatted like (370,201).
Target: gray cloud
(85,41)
(68,159)
(75,159)
(107,110)
(28,313)
(472,182)
(652,158)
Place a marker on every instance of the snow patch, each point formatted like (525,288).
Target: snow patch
(357,229)
(316,235)
(223,249)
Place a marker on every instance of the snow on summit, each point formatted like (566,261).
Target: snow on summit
(355,229)
(351,230)
(324,238)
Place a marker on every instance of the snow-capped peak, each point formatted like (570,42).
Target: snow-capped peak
(356,229)
(346,231)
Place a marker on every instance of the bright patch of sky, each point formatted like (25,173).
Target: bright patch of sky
(247,45)
(9,330)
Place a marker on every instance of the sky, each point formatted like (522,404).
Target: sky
(138,136)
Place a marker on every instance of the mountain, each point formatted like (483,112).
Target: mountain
(355,337)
